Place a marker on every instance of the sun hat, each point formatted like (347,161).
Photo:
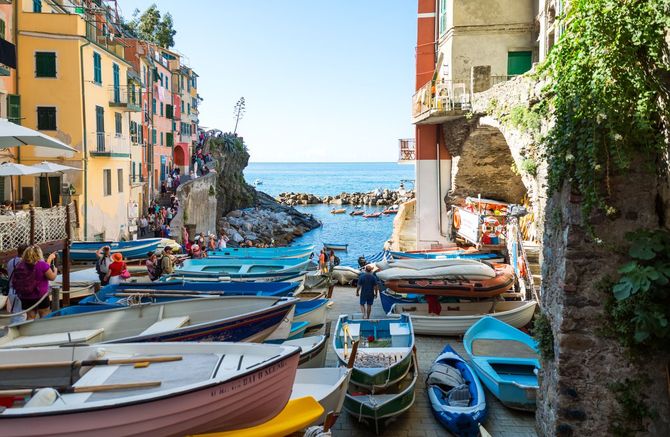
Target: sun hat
(117,257)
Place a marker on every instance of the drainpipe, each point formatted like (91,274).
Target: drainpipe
(439,185)
(84,142)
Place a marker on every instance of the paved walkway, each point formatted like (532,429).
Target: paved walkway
(419,420)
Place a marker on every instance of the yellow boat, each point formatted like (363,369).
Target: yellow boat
(338,211)
(296,415)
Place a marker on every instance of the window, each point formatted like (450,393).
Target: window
(119,181)
(161,79)
(14,108)
(153,136)
(118,122)
(166,82)
(45,64)
(153,106)
(182,106)
(168,111)
(443,16)
(161,138)
(2,29)
(46,118)
(97,68)
(107,182)
(37,5)
(188,106)
(133,171)
(161,109)
(169,139)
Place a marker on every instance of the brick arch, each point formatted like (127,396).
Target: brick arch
(180,158)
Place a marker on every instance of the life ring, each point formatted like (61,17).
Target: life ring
(457,219)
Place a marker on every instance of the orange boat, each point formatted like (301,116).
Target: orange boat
(373,215)
(486,288)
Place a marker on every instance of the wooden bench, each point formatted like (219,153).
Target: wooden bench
(165,325)
(56,338)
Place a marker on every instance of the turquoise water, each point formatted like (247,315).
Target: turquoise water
(364,236)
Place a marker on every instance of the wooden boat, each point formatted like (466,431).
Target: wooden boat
(336,246)
(296,415)
(297,330)
(241,267)
(357,212)
(249,277)
(311,311)
(372,215)
(313,350)
(327,385)
(456,395)
(390,298)
(388,211)
(338,211)
(345,274)
(466,288)
(379,409)
(384,353)
(506,360)
(434,268)
(235,318)
(201,388)
(492,257)
(302,251)
(133,249)
(456,318)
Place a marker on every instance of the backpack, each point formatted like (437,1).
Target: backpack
(336,261)
(158,268)
(24,282)
(98,266)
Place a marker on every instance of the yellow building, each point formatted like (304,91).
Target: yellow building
(73,82)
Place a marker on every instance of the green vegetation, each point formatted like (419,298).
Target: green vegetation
(607,94)
(150,26)
(529,166)
(229,143)
(545,337)
(634,413)
(528,119)
(212,192)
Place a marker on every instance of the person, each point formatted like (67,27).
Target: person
(13,301)
(323,265)
(367,288)
(117,271)
(31,279)
(168,261)
(103,263)
(163,187)
(196,253)
(152,266)
(212,242)
(223,241)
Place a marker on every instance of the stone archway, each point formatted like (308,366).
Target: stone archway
(180,158)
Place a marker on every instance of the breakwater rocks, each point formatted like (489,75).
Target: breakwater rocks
(377,197)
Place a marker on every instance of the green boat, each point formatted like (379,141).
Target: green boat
(378,409)
(384,350)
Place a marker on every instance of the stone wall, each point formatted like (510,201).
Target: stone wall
(197,206)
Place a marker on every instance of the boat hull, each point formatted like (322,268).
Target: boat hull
(327,385)
(313,351)
(335,246)
(312,311)
(135,249)
(446,255)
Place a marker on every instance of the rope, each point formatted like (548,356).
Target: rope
(6,316)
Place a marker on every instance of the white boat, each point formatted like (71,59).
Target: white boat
(311,311)
(434,268)
(345,275)
(327,385)
(456,318)
(313,350)
(182,388)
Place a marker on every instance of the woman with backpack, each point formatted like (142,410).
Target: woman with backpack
(30,280)
(118,271)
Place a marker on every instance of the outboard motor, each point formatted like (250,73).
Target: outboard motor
(362,262)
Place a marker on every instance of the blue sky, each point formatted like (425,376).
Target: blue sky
(323,80)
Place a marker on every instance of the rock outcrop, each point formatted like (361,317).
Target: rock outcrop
(372,198)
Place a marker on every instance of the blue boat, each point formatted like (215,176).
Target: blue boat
(302,251)
(446,255)
(336,246)
(242,266)
(297,331)
(456,395)
(134,249)
(311,311)
(506,360)
(297,276)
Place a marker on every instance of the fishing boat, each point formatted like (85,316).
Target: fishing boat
(327,385)
(345,274)
(258,182)
(434,268)
(491,257)
(456,318)
(235,318)
(357,212)
(313,350)
(133,249)
(392,210)
(372,215)
(302,251)
(456,395)
(458,287)
(390,298)
(144,389)
(242,266)
(296,331)
(336,246)
(311,311)
(506,360)
(225,277)
(338,211)
(379,409)
(384,352)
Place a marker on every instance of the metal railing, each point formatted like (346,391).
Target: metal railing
(106,41)
(125,96)
(109,143)
(442,97)
(407,149)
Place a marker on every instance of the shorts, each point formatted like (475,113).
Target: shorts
(27,303)
(367,299)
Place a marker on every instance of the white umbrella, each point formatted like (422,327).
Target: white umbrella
(13,169)
(46,167)
(13,135)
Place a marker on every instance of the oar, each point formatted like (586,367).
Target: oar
(161,295)
(83,389)
(483,431)
(352,358)
(106,362)
(160,290)
(331,418)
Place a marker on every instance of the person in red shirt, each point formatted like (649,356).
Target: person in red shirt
(117,269)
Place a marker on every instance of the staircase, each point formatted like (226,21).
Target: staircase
(533,251)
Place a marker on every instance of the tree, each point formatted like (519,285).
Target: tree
(238,112)
(150,26)
(165,32)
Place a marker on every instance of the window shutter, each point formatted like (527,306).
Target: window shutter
(14,108)
(169,139)
(168,111)
(45,64)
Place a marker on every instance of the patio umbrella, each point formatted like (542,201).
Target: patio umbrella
(13,135)
(51,167)
(13,169)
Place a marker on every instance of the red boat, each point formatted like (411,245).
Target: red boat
(486,288)
(373,215)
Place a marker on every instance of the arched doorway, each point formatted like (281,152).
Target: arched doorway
(180,158)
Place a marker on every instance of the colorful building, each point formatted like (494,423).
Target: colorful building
(10,102)
(186,105)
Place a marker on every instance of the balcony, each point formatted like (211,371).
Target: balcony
(63,24)
(435,103)
(136,179)
(109,145)
(407,150)
(126,97)
(108,43)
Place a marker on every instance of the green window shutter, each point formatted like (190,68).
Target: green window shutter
(153,136)
(2,29)
(168,111)
(14,108)
(155,75)
(169,139)
(97,68)
(519,62)
(153,105)
(118,122)
(37,5)
(162,138)
(46,118)
(45,64)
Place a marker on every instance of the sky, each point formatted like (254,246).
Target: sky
(323,80)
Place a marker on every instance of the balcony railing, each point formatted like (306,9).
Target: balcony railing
(110,144)
(127,97)
(136,179)
(407,149)
(106,41)
(440,99)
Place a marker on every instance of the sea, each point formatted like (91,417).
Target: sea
(365,237)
